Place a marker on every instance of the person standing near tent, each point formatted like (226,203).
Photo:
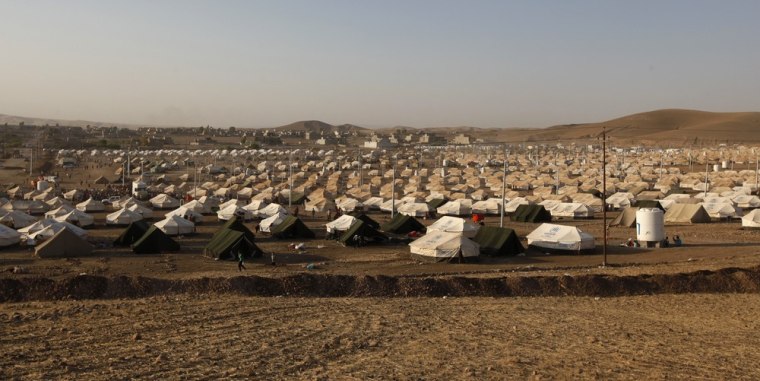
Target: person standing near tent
(240,257)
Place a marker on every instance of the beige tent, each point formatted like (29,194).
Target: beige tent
(686,214)
(626,218)
(63,244)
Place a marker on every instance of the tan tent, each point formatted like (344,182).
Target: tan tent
(686,214)
(626,218)
(63,244)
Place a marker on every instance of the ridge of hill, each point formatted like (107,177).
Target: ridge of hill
(677,125)
(320,127)
(667,125)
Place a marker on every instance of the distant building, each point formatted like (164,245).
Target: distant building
(375,142)
(461,139)
(433,139)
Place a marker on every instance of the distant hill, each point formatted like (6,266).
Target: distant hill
(675,126)
(669,125)
(15,120)
(319,127)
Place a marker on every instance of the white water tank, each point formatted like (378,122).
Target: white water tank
(724,164)
(650,225)
(42,185)
(716,168)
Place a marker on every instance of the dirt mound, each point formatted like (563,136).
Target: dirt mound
(729,280)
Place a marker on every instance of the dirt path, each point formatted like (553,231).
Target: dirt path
(233,337)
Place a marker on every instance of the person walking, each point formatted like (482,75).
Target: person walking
(240,257)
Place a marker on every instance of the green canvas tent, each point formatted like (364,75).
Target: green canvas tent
(531,213)
(291,227)
(154,241)
(402,224)
(367,219)
(236,223)
(227,243)
(363,230)
(133,232)
(498,241)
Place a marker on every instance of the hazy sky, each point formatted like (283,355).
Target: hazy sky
(375,63)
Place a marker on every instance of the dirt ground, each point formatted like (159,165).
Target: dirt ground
(224,335)
(231,337)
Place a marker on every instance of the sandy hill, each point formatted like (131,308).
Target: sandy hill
(15,120)
(669,125)
(319,127)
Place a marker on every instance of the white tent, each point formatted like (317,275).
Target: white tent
(271,210)
(340,224)
(185,213)
(61,210)
(143,210)
(560,237)
(197,206)
(164,201)
(8,236)
(91,205)
(491,206)
(443,246)
(455,225)
(512,205)
(751,219)
(233,201)
(620,200)
(17,219)
(175,225)
(233,210)
(454,208)
(349,204)
(373,203)
(319,205)
(77,218)
(386,206)
(747,201)
(256,205)
(123,217)
(721,210)
(415,209)
(127,202)
(266,224)
(572,210)
(54,227)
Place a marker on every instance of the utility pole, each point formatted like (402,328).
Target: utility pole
(393,188)
(361,173)
(290,176)
(604,193)
(503,189)
(756,168)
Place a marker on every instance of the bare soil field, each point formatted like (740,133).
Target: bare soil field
(232,337)
(335,312)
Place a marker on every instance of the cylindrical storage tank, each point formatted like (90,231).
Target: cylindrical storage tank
(724,164)
(42,185)
(716,168)
(650,225)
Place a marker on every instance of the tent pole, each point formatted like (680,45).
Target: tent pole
(393,189)
(503,189)
(604,193)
